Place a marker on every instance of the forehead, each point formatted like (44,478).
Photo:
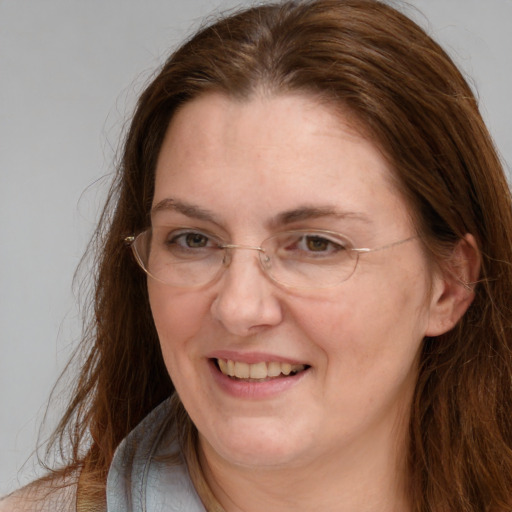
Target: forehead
(272,125)
(272,153)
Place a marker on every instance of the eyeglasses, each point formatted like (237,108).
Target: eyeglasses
(302,258)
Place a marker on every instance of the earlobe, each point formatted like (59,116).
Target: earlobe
(454,287)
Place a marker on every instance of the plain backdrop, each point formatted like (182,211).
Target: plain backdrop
(70,72)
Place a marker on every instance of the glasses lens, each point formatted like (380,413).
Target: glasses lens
(179,257)
(297,259)
(309,259)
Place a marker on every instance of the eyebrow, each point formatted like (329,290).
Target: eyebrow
(187,209)
(285,218)
(314,212)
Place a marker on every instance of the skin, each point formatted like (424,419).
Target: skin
(334,438)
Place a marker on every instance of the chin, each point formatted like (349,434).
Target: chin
(255,443)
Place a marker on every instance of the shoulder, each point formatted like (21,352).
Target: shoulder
(47,495)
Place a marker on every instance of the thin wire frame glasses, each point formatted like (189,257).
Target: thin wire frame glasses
(305,259)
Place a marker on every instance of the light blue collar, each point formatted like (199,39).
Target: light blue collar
(140,481)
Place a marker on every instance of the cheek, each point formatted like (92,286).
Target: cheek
(369,321)
(177,315)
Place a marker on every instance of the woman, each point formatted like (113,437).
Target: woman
(324,317)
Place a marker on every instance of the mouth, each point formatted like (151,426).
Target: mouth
(258,372)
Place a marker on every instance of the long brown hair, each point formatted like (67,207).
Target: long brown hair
(368,59)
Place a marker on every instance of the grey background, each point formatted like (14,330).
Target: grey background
(70,72)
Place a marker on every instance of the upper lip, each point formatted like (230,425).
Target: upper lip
(252,357)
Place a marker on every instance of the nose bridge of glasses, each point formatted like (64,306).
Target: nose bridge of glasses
(264,257)
(239,246)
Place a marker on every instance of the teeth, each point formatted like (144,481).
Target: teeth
(260,370)
(242,370)
(273,369)
(223,365)
(286,368)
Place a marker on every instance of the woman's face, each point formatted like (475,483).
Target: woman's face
(244,170)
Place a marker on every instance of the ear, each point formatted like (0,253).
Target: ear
(453,287)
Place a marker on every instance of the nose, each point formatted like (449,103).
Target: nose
(246,301)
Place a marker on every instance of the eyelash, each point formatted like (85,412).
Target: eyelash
(179,239)
(314,237)
(174,237)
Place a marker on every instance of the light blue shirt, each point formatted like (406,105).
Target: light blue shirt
(143,479)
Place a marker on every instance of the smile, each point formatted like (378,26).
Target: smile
(258,371)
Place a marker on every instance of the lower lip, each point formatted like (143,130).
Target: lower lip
(255,390)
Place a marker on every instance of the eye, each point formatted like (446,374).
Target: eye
(319,243)
(304,245)
(316,243)
(184,243)
(191,240)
